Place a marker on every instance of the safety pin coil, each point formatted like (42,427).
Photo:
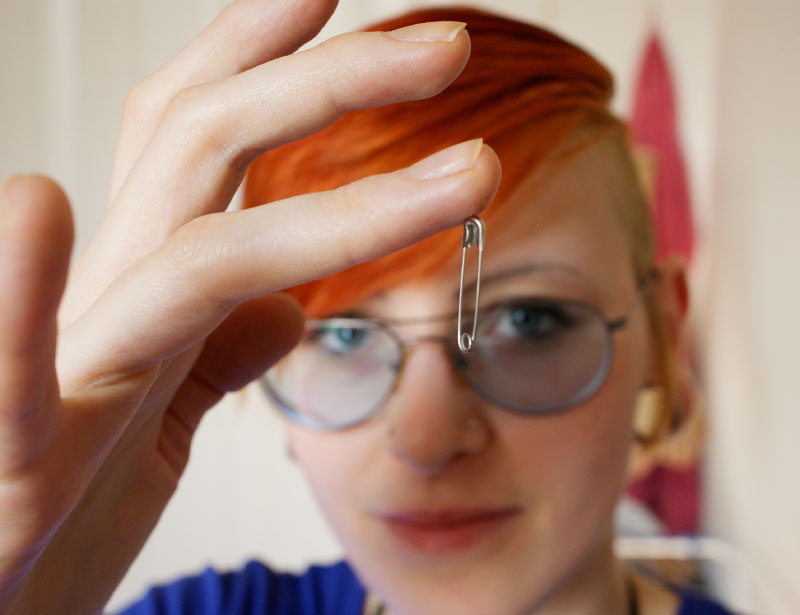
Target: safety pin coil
(474,235)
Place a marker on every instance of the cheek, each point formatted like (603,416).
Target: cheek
(574,464)
(333,464)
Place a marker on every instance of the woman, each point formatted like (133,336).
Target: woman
(477,483)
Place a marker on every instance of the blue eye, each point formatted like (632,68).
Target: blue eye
(341,340)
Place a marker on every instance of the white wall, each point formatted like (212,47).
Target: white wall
(751,327)
(68,64)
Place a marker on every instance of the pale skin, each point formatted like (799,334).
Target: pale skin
(173,303)
(562,474)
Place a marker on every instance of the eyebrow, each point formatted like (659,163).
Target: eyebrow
(515,271)
(497,276)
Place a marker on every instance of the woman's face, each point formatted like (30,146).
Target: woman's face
(446,503)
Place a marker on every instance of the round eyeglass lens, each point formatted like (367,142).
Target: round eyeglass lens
(341,372)
(537,356)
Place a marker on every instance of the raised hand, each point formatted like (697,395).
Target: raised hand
(172,304)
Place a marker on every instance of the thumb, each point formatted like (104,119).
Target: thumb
(256,335)
(36,236)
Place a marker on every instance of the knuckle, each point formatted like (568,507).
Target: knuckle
(184,106)
(346,212)
(138,102)
(187,246)
(192,253)
(229,17)
(327,85)
(342,78)
(356,73)
(202,128)
(234,18)
(347,202)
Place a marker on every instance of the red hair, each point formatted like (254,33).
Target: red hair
(524,90)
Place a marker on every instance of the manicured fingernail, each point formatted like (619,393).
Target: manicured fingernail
(433,31)
(449,161)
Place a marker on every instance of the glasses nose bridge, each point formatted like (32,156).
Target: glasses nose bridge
(430,330)
(407,345)
(437,329)
(419,340)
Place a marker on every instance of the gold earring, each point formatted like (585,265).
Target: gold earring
(652,418)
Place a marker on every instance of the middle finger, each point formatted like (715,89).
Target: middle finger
(261,34)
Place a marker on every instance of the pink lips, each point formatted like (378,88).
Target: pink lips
(443,531)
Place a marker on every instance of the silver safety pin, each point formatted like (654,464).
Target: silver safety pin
(474,233)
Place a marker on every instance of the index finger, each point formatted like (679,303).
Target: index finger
(176,296)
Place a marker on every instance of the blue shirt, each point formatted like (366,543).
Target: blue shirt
(321,590)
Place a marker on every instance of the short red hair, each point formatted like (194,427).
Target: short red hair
(524,90)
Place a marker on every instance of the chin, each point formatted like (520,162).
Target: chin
(513,567)
(462,582)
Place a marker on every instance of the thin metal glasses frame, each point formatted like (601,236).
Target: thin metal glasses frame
(456,355)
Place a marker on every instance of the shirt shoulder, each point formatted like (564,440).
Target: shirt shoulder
(257,590)
(695,604)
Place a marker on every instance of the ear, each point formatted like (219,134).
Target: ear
(680,449)
(671,292)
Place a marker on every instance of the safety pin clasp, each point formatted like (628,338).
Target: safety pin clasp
(474,235)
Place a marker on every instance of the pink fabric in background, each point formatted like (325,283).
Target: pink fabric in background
(673,494)
(654,127)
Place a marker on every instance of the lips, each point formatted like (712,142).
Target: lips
(450,530)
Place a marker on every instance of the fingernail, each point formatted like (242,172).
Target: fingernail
(449,161)
(433,31)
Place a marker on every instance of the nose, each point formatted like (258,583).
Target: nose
(434,418)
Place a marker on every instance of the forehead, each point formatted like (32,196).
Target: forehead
(569,214)
(561,227)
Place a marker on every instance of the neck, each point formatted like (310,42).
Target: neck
(598,588)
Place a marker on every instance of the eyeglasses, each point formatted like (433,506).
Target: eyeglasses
(532,356)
